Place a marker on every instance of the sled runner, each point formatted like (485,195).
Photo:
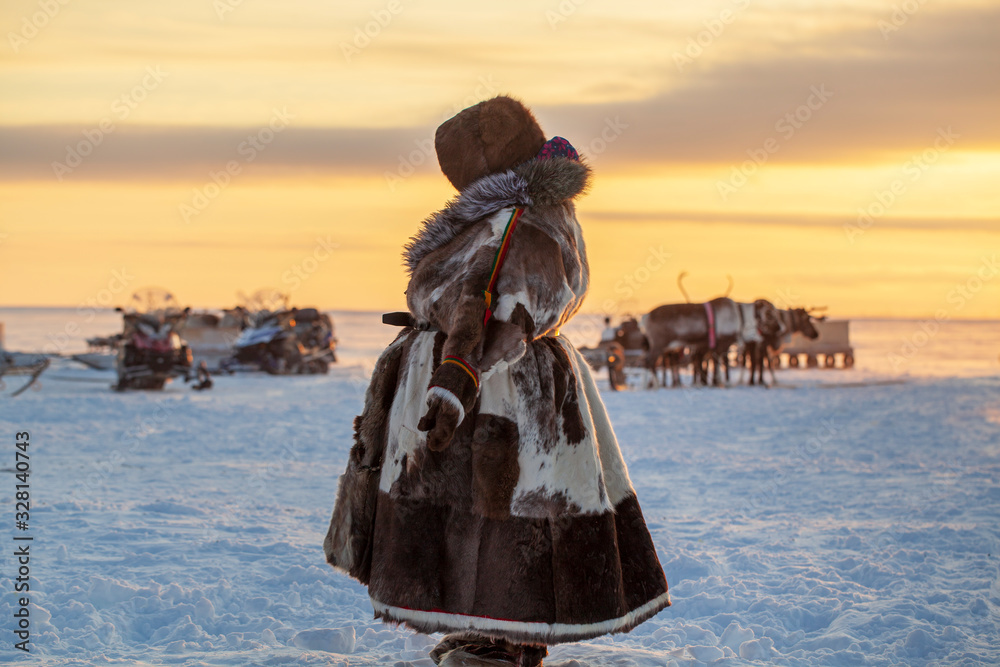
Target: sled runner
(21,363)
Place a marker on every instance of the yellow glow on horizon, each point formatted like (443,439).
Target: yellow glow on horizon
(884,273)
(956,184)
(276,232)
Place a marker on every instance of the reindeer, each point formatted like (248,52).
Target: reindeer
(708,330)
(758,319)
(671,329)
(704,347)
(738,324)
(773,337)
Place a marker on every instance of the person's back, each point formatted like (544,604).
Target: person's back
(486,495)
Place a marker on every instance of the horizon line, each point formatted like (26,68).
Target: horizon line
(111,309)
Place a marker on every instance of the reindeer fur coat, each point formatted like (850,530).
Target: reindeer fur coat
(526,526)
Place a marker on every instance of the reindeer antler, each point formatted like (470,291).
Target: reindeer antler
(812,310)
(680,284)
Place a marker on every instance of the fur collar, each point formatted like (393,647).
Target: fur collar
(534,183)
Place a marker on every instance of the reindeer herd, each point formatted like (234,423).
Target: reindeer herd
(709,336)
(707,333)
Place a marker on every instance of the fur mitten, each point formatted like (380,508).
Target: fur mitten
(452,393)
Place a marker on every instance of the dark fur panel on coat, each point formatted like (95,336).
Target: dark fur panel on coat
(495,469)
(568,571)
(348,541)
(439,476)
(642,575)
(566,396)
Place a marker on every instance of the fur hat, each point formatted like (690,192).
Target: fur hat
(490,137)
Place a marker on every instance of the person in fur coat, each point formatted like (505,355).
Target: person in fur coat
(485,495)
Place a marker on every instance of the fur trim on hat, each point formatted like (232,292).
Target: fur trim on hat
(487,138)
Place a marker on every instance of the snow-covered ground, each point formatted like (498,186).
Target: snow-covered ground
(848,518)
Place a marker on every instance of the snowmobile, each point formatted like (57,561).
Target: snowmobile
(285,342)
(150,352)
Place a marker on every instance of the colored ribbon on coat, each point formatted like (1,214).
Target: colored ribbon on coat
(556,147)
(508,232)
(465,366)
(711,325)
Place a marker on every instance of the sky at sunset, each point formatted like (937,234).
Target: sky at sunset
(838,153)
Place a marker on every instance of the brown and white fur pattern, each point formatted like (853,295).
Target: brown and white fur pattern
(526,526)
